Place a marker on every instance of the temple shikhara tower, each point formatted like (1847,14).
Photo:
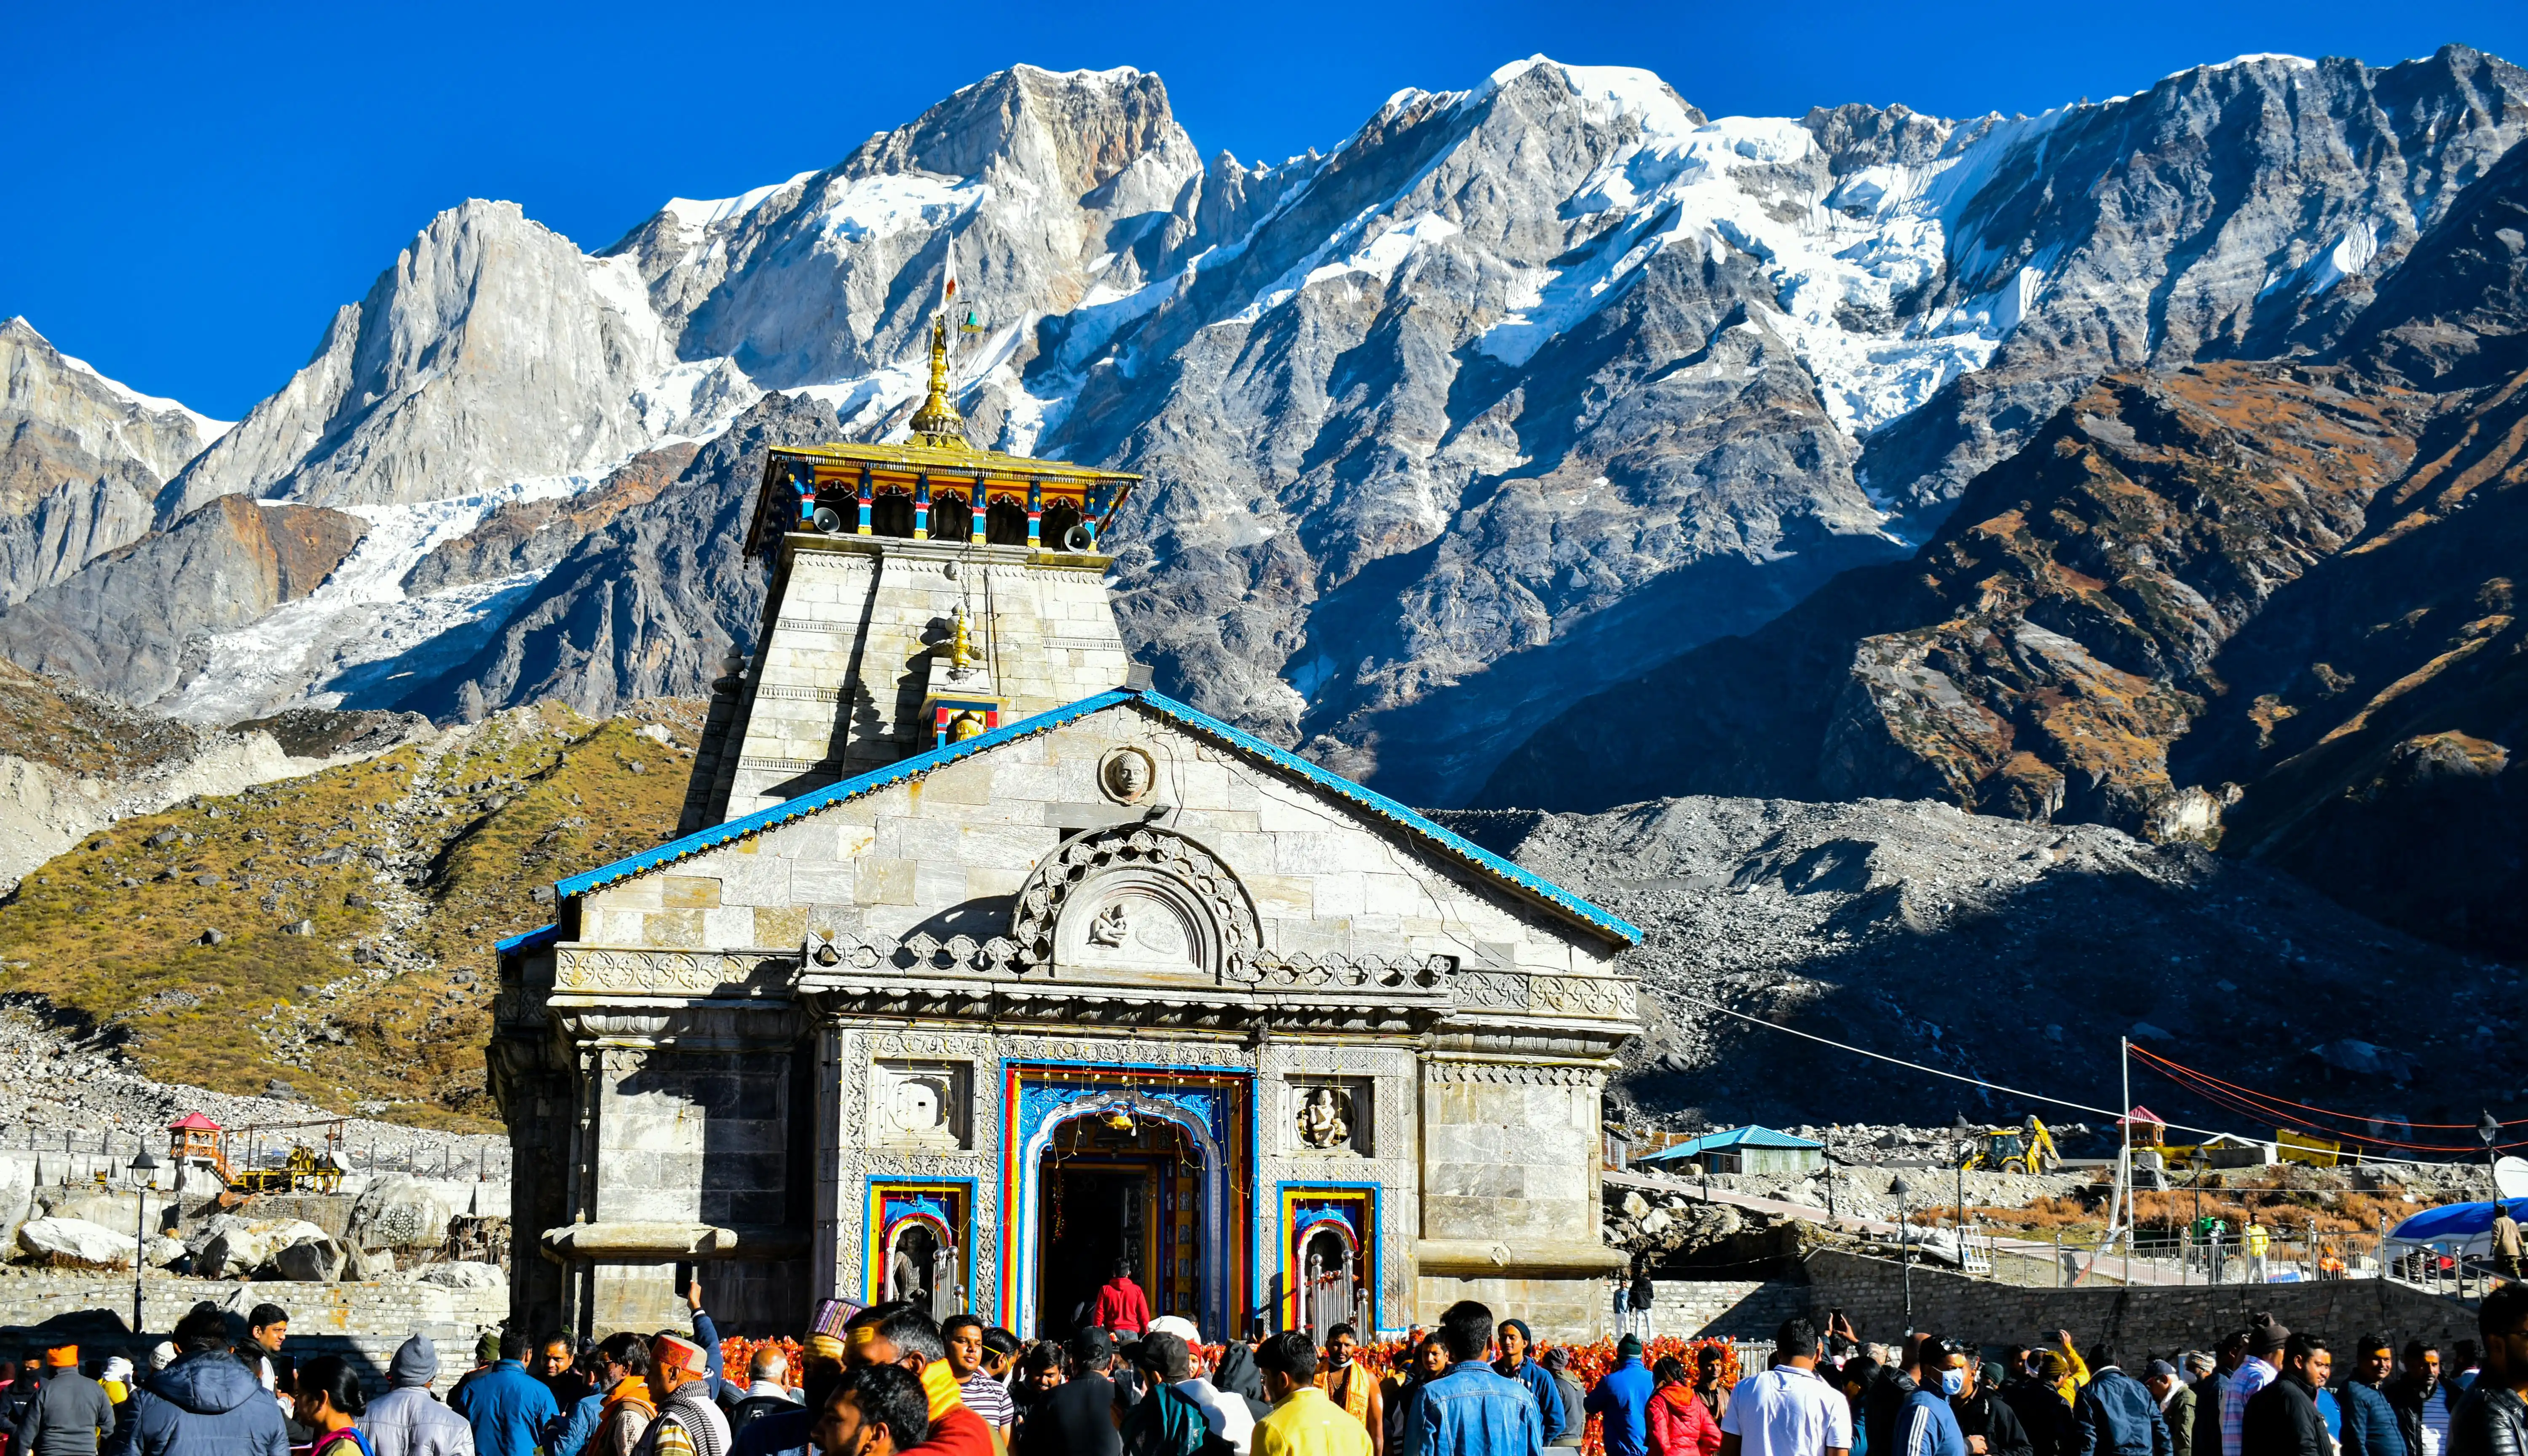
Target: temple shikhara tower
(981,967)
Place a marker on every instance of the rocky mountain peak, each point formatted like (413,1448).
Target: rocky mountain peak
(81,460)
(1077,130)
(491,351)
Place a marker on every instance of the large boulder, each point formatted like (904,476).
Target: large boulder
(399,1212)
(16,1191)
(461,1275)
(366,1266)
(163,1251)
(76,1243)
(228,1247)
(314,1260)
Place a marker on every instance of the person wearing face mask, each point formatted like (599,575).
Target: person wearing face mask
(1926,1426)
(1990,1425)
(873,1410)
(2116,1415)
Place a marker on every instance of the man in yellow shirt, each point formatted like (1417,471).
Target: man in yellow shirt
(1303,1422)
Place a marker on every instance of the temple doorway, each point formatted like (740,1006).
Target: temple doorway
(1117,1188)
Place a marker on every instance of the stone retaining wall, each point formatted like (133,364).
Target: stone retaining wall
(365,1322)
(1726,1309)
(2137,1321)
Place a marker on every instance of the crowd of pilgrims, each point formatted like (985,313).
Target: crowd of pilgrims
(891,1380)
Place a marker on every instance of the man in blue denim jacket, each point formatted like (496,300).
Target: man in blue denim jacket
(1471,1410)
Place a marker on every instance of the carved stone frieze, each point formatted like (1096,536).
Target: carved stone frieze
(1516,1074)
(603,970)
(1609,996)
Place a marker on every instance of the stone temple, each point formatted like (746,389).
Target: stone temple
(981,967)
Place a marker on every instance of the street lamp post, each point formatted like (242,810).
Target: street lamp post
(1828,1164)
(2489,1128)
(145,1170)
(1904,1250)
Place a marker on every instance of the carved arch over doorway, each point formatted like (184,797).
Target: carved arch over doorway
(1137,897)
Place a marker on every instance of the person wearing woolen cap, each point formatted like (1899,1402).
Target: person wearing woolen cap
(406,1421)
(1575,1420)
(1078,1418)
(2266,1338)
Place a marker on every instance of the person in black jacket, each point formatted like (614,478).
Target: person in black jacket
(2370,1423)
(2042,1413)
(1076,1417)
(2282,1420)
(2412,1390)
(2493,1420)
(1990,1425)
(1889,1389)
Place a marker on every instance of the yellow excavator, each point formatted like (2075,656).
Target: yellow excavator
(2028,1148)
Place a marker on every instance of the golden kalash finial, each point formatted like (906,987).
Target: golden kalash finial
(936,422)
(962,652)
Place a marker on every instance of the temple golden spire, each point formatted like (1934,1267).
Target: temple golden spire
(937,422)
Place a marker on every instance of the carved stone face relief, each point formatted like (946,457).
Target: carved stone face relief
(1323,1117)
(1126,775)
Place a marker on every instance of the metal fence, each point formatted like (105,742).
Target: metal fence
(2181,1258)
(111,1153)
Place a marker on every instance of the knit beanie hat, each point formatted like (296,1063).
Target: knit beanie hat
(2266,1335)
(415,1363)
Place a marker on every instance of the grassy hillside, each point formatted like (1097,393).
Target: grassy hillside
(333,932)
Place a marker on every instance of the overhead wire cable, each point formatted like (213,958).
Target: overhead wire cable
(2305,1107)
(1954,1076)
(2209,1088)
(2234,1103)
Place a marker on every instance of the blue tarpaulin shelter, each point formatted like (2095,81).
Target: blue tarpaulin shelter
(2454,1221)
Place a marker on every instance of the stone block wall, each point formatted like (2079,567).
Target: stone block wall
(363,1321)
(1509,1153)
(1576,1310)
(2137,1321)
(836,688)
(1725,1309)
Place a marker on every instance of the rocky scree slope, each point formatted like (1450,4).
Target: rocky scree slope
(333,931)
(72,762)
(1513,393)
(2040,655)
(1998,949)
(2271,596)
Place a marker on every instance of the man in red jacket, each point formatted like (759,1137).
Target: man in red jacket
(901,1335)
(1120,1305)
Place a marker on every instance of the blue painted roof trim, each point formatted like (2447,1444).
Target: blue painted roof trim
(1455,845)
(533,940)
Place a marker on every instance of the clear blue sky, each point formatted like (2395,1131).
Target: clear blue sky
(192,191)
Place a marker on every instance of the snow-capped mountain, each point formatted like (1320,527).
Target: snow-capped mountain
(81,458)
(1507,397)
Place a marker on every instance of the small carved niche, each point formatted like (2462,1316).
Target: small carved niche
(1329,1117)
(921,1105)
